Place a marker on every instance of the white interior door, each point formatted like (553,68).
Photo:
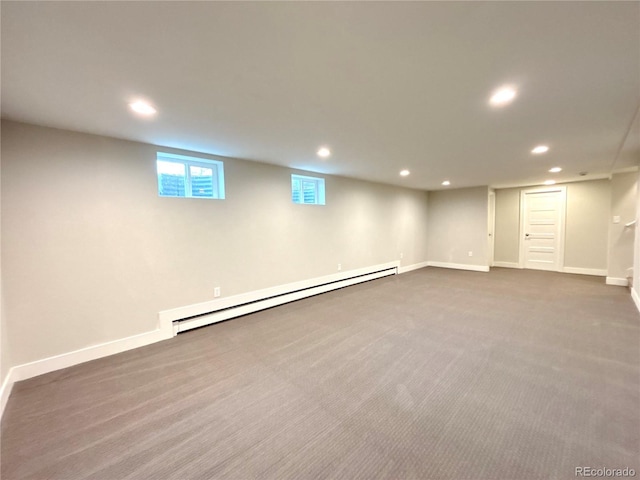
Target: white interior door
(542,229)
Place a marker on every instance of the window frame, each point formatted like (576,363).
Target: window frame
(217,174)
(319,189)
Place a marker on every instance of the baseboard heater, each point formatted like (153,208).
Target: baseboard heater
(199,315)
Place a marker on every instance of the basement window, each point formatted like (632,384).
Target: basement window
(307,190)
(190,177)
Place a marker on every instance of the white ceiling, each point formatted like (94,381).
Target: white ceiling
(386,85)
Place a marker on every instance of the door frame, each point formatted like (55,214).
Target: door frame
(562,221)
(491,226)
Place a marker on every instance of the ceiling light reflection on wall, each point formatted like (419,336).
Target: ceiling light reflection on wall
(404,173)
(143,108)
(446,183)
(555,170)
(502,96)
(549,182)
(323,152)
(540,149)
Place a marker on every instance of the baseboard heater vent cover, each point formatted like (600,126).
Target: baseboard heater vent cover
(224,309)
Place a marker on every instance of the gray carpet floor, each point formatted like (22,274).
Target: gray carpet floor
(434,374)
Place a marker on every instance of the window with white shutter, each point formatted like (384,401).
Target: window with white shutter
(182,176)
(307,190)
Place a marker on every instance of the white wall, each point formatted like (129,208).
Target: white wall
(5,355)
(635,290)
(458,225)
(586,232)
(586,235)
(506,249)
(92,253)
(621,238)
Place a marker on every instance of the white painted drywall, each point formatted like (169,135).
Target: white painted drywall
(506,248)
(5,355)
(92,253)
(621,238)
(458,225)
(636,252)
(586,235)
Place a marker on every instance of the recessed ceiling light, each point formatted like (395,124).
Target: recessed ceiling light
(540,149)
(549,182)
(324,152)
(446,183)
(555,170)
(502,96)
(404,173)
(143,108)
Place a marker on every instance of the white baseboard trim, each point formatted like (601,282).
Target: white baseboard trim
(459,266)
(621,282)
(586,271)
(57,362)
(636,298)
(415,266)
(238,305)
(507,264)
(5,390)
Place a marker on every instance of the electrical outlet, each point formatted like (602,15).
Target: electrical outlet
(471,254)
(401,255)
(216,292)
(339,266)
